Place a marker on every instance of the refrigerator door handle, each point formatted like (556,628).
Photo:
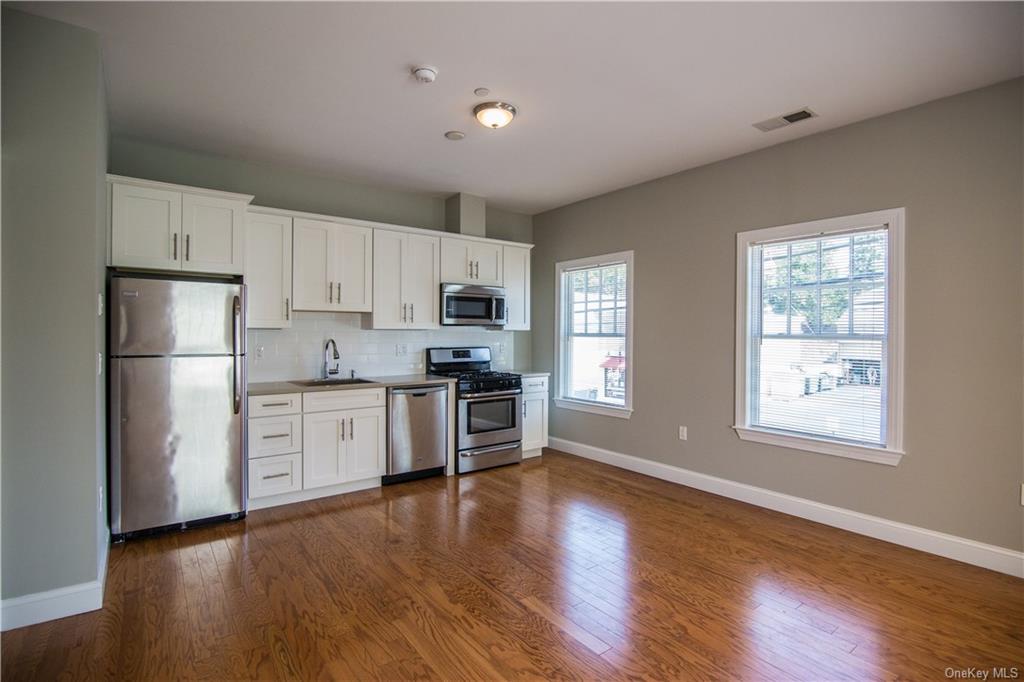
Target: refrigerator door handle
(236,337)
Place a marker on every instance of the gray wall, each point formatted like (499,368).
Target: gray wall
(955,164)
(54,155)
(296,190)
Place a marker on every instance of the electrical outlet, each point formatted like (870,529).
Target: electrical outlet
(682,433)
(401,349)
(99,364)
(99,306)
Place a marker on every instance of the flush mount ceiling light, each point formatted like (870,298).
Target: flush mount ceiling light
(455,135)
(494,114)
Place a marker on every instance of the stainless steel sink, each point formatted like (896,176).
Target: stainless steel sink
(333,382)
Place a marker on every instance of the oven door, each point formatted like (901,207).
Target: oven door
(467,308)
(490,419)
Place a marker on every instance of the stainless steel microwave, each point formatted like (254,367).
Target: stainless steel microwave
(469,304)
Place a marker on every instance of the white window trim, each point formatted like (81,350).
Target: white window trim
(892,452)
(602,409)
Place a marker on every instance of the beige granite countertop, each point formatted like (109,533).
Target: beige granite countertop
(278,387)
(529,373)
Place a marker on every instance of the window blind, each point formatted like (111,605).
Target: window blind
(819,336)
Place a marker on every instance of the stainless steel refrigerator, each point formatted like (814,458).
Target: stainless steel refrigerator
(177,378)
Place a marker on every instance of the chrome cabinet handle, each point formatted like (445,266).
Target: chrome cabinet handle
(478,270)
(188,242)
(352,428)
(284,404)
(524,409)
(405,311)
(175,246)
(469,265)
(330,292)
(287,309)
(412,313)
(281,475)
(339,292)
(342,422)
(276,435)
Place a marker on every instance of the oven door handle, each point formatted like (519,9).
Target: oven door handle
(495,394)
(487,451)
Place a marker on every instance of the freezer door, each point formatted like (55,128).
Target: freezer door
(168,317)
(176,441)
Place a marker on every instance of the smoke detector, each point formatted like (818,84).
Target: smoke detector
(424,74)
(785,120)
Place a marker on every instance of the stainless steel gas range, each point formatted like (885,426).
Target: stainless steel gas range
(490,407)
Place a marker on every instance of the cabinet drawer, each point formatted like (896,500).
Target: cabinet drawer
(274,405)
(535,384)
(275,435)
(325,401)
(275,475)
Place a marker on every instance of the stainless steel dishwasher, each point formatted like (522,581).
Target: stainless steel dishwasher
(417,431)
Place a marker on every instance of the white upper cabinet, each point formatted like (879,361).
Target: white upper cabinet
(465,261)
(168,227)
(333,266)
(268,271)
(313,286)
(516,273)
(145,227)
(421,281)
(213,230)
(353,268)
(487,263)
(406,280)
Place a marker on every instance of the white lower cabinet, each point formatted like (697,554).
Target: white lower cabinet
(275,475)
(308,441)
(535,415)
(343,446)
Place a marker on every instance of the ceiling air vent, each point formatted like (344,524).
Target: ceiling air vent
(785,120)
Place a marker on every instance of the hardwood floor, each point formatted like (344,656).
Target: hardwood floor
(560,568)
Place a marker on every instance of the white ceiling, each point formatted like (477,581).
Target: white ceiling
(609,94)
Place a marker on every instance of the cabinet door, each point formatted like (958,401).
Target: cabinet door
(455,261)
(353,268)
(487,263)
(214,232)
(388,310)
(421,281)
(268,271)
(516,272)
(145,227)
(365,445)
(313,286)
(323,449)
(535,421)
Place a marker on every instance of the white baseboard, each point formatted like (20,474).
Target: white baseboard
(950,546)
(258,503)
(39,607)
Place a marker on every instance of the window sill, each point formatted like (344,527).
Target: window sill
(864,453)
(603,410)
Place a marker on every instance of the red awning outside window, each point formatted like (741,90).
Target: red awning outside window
(614,362)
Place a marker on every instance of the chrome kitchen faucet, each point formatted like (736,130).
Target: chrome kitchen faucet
(328,370)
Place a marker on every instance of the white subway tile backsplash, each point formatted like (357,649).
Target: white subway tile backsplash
(297,353)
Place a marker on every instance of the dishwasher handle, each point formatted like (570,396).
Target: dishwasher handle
(418,390)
